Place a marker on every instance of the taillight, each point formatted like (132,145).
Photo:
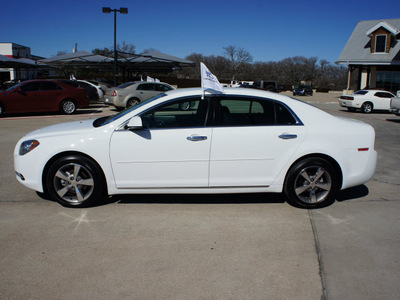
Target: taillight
(114,93)
(346,98)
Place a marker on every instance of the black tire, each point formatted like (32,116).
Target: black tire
(132,102)
(75,181)
(311,183)
(68,107)
(367,107)
(351,109)
(1,110)
(184,105)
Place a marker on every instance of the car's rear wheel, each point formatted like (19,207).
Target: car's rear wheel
(311,183)
(184,105)
(68,107)
(1,110)
(132,102)
(75,181)
(367,107)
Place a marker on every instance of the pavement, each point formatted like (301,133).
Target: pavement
(245,246)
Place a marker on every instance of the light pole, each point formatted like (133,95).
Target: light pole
(122,10)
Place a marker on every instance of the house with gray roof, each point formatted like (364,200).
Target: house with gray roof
(372,55)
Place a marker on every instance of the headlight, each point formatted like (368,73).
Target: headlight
(28,146)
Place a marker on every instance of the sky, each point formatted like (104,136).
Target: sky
(268,30)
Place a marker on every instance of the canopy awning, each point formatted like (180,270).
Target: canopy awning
(146,62)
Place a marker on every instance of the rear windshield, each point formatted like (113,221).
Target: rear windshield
(124,85)
(360,92)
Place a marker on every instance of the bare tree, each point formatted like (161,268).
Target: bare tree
(236,57)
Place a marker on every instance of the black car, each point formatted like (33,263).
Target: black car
(303,90)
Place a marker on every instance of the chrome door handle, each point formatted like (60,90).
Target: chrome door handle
(196,138)
(287,136)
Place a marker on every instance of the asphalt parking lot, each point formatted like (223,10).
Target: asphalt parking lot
(201,246)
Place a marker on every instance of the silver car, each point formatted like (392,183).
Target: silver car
(132,93)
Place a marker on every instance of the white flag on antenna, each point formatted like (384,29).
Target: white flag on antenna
(209,81)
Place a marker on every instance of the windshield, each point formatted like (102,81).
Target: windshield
(13,87)
(124,85)
(107,120)
(360,92)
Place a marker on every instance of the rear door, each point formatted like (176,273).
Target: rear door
(146,91)
(252,140)
(50,95)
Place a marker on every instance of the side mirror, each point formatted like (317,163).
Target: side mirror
(134,123)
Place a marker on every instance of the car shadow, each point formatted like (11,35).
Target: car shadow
(197,198)
(250,198)
(394,120)
(352,193)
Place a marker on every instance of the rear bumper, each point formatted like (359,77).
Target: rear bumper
(348,103)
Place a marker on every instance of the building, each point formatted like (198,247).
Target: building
(23,54)
(372,55)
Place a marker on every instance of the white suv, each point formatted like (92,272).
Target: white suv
(132,93)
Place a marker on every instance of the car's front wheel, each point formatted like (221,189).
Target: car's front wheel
(311,183)
(75,181)
(68,107)
(367,107)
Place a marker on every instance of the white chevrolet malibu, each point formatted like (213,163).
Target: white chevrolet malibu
(240,141)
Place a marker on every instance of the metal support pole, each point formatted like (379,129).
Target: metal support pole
(115,48)
(122,10)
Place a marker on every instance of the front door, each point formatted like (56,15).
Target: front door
(171,151)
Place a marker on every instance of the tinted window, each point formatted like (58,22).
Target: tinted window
(49,86)
(162,88)
(124,85)
(146,87)
(383,95)
(361,92)
(283,115)
(251,112)
(184,113)
(31,87)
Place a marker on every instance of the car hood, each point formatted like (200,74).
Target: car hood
(62,129)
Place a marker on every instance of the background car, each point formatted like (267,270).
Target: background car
(90,89)
(42,95)
(367,100)
(240,141)
(132,93)
(303,90)
(100,91)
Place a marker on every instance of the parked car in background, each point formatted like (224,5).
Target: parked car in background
(395,106)
(41,96)
(103,85)
(271,86)
(303,90)
(100,91)
(240,141)
(132,93)
(367,100)
(91,90)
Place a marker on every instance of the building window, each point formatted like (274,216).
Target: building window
(388,80)
(380,43)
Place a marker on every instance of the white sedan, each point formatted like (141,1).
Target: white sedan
(241,141)
(367,100)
